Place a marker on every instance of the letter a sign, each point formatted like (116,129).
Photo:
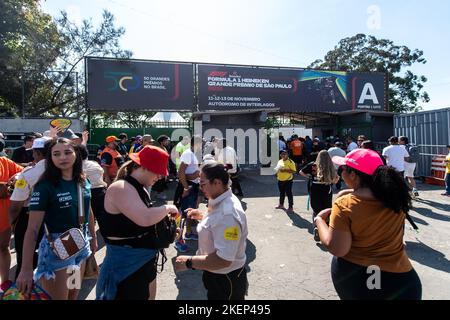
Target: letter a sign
(368,93)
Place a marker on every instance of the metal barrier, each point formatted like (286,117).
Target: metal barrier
(428,155)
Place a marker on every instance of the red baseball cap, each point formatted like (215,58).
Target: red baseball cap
(364,160)
(153,159)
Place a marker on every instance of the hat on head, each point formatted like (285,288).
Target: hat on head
(111,139)
(138,137)
(69,134)
(39,143)
(147,137)
(153,159)
(364,160)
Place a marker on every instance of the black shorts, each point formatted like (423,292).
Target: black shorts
(136,285)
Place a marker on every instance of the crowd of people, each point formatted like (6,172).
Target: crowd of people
(50,186)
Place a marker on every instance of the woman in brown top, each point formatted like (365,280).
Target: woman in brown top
(365,232)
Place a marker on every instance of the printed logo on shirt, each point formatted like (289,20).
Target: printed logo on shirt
(231,234)
(20,184)
(65,199)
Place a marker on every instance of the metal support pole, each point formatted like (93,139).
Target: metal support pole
(23,94)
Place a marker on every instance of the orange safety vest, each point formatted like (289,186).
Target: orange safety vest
(297,148)
(113,168)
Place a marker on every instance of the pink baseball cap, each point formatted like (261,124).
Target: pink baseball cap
(364,160)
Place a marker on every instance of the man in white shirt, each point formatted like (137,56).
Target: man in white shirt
(227,156)
(189,179)
(351,145)
(337,151)
(23,188)
(395,155)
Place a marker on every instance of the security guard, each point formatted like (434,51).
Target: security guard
(222,238)
(110,159)
(18,209)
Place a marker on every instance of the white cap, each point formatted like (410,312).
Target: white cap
(2,136)
(39,143)
(47,133)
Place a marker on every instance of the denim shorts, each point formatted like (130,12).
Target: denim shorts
(49,263)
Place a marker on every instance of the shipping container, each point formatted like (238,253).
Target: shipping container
(429,130)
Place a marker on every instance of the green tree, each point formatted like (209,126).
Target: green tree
(40,58)
(81,41)
(29,46)
(369,54)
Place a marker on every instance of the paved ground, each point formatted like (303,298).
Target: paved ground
(284,261)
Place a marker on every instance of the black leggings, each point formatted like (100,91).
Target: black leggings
(321,197)
(136,285)
(350,281)
(285,188)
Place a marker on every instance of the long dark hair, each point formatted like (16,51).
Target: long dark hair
(54,174)
(388,186)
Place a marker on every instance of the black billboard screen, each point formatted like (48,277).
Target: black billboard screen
(139,85)
(289,90)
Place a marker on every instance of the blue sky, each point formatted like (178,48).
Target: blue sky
(274,33)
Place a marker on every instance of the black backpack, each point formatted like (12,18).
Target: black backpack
(414,154)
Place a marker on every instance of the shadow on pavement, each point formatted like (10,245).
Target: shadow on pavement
(427,256)
(301,223)
(419,221)
(426,212)
(190,283)
(434,204)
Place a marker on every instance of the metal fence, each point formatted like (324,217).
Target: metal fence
(429,130)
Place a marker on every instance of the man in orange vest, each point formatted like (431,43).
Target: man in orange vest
(297,151)
(111,159)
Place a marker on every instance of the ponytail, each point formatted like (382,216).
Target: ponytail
(387,186)
(126,169)
(390,187)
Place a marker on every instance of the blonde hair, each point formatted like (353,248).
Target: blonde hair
(126,169)
(326,171)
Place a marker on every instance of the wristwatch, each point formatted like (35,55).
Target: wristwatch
(189,263)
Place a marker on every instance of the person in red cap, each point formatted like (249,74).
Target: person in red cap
(365,232)
(128,227)
(111,159)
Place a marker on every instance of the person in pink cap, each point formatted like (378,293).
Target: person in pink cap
(128,225)
(365,232)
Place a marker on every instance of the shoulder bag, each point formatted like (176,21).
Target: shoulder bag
(72,241)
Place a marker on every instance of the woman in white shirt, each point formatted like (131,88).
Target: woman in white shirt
(222,240)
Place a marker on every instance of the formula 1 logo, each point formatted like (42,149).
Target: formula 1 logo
(126,81)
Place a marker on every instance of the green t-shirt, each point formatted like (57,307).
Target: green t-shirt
(60,204)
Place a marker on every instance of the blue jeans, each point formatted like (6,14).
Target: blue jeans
(447,183)
(190,201)
(48,261)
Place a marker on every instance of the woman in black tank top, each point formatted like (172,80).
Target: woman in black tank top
(127,225)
